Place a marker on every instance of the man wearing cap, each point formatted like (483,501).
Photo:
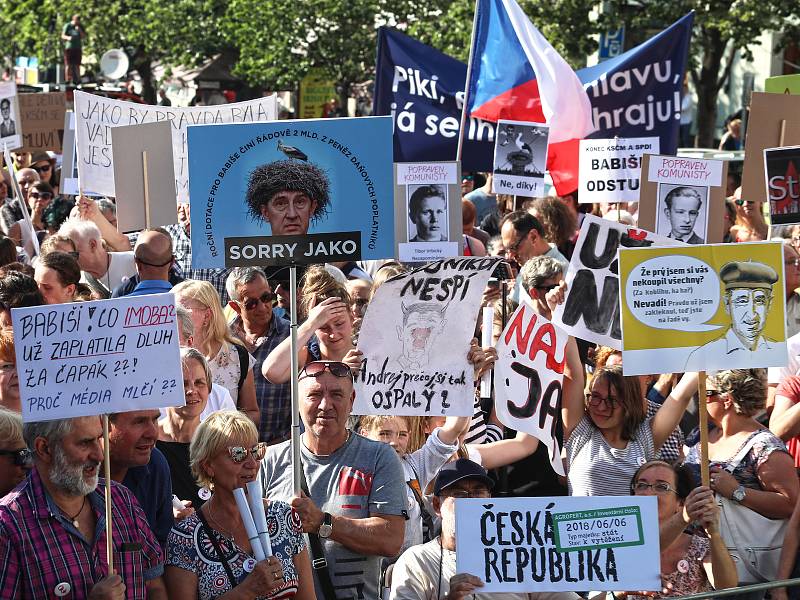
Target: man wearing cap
(747,300)
(430,568)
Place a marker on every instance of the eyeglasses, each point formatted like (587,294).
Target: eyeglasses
(597,400)
(515,246)
(265,298)
(41,168)
(317,368)
(743,202)
(467,178)
(546,288)
(712,393)
(480,492)
(659,487)
(239,454)
(42,195)
(22,457)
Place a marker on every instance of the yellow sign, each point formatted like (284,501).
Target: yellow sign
(315,91)
(702,308)
(783,84)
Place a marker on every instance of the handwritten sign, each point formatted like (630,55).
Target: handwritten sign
(528,377)
(42,118)
(93,358)
(591,308)
(559,544)
(609,170)
(415,342)
(96,116)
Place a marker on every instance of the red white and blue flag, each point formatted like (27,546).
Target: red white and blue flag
(517,75)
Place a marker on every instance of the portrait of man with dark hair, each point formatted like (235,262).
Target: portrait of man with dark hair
(7,125)
(682,207)
(427,212)
(289,195)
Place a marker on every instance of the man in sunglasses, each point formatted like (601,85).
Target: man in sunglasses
(354,501)
(540,275)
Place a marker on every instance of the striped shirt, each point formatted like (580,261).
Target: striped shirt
(41,550)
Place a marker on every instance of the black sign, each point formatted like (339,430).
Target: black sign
(278,250)
(783,184)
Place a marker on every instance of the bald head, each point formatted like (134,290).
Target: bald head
(153,253)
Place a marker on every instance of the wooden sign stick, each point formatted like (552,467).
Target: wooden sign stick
(107,475)
(703,414)
(146,190)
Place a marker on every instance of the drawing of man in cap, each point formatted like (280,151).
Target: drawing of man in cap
(747,300)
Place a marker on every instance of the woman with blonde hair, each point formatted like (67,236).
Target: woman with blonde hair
(750,225)
(9,381)
(208,554)
(326,332)
(231,365)
(15,458)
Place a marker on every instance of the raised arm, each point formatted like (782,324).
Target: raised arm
(504,452)
(572,401)
(670,413)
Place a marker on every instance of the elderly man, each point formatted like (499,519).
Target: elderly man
(153,258)
(52,528)
(354,504)
(261,330)
(102,270)
(430,568)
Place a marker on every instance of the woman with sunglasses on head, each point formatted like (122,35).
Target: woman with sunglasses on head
(15,458)
(750,225)
(208,554)
(690,563)
(607,436)
(230,363)
(326,332)
(177,428)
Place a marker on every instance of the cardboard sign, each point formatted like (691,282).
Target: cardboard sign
(528,377)
(774,122)
(591,308)
(520,158)
(96,116)
(427,211)
(42,118)
(783,184)
(782,84)
(315,91)
(10,126)
(683,198)
(144,176)
(559,544)
(702,308)
(94,358)
(69,164)
(609,170)
(263,191)
(415,342)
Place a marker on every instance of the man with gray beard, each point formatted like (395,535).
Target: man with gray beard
(52,525)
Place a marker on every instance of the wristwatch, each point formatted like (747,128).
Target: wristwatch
(738,494)
(326,528)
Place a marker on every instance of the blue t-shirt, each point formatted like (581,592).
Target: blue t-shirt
(152,486)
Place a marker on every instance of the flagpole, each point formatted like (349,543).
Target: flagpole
(466,87)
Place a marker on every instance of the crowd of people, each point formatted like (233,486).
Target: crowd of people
(376,515)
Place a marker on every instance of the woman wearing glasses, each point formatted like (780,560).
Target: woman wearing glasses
(750,225)
(230,363)
(690,563)
(607,435)
(208,553)
(15,458)
(326,332)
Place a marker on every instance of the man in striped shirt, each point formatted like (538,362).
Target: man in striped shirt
(52,526)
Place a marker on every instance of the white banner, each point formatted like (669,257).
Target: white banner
(94,358)
(610,170)
(95,116)
(559,544)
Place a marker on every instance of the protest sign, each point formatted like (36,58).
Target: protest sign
(528,377)
(559,544)
(69,162)
(10,129)
(427,211)
(335,173)
(783,184)
(93,358)
(610,169)
(702,308)
(635,94)
(586,314)
(96,116)
(773,123)
(316,89)
(520,156)
(415,343)
(782,84)
(683,198)
(144,176)
(42,120)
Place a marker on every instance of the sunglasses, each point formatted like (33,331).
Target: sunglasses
(42,195)
(41,168)
(743,202)
(265,298)
(546,288)
(22,457)
(239,454)
(318,367)
(659,487)
(467,178)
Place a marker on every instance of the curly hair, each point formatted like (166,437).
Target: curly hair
(747,388)
(287,175)
(558,220)
(318,285)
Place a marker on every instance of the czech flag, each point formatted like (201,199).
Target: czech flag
(517,75)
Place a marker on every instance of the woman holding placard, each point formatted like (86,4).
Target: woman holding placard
(210,552)
(690,563)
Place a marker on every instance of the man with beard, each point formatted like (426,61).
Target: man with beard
(52,527)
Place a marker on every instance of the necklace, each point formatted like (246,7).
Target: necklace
(74,518)
(222,530)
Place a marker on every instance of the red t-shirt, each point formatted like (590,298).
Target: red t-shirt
(790,388)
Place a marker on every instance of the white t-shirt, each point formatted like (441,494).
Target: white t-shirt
(225,369)
(121,267)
